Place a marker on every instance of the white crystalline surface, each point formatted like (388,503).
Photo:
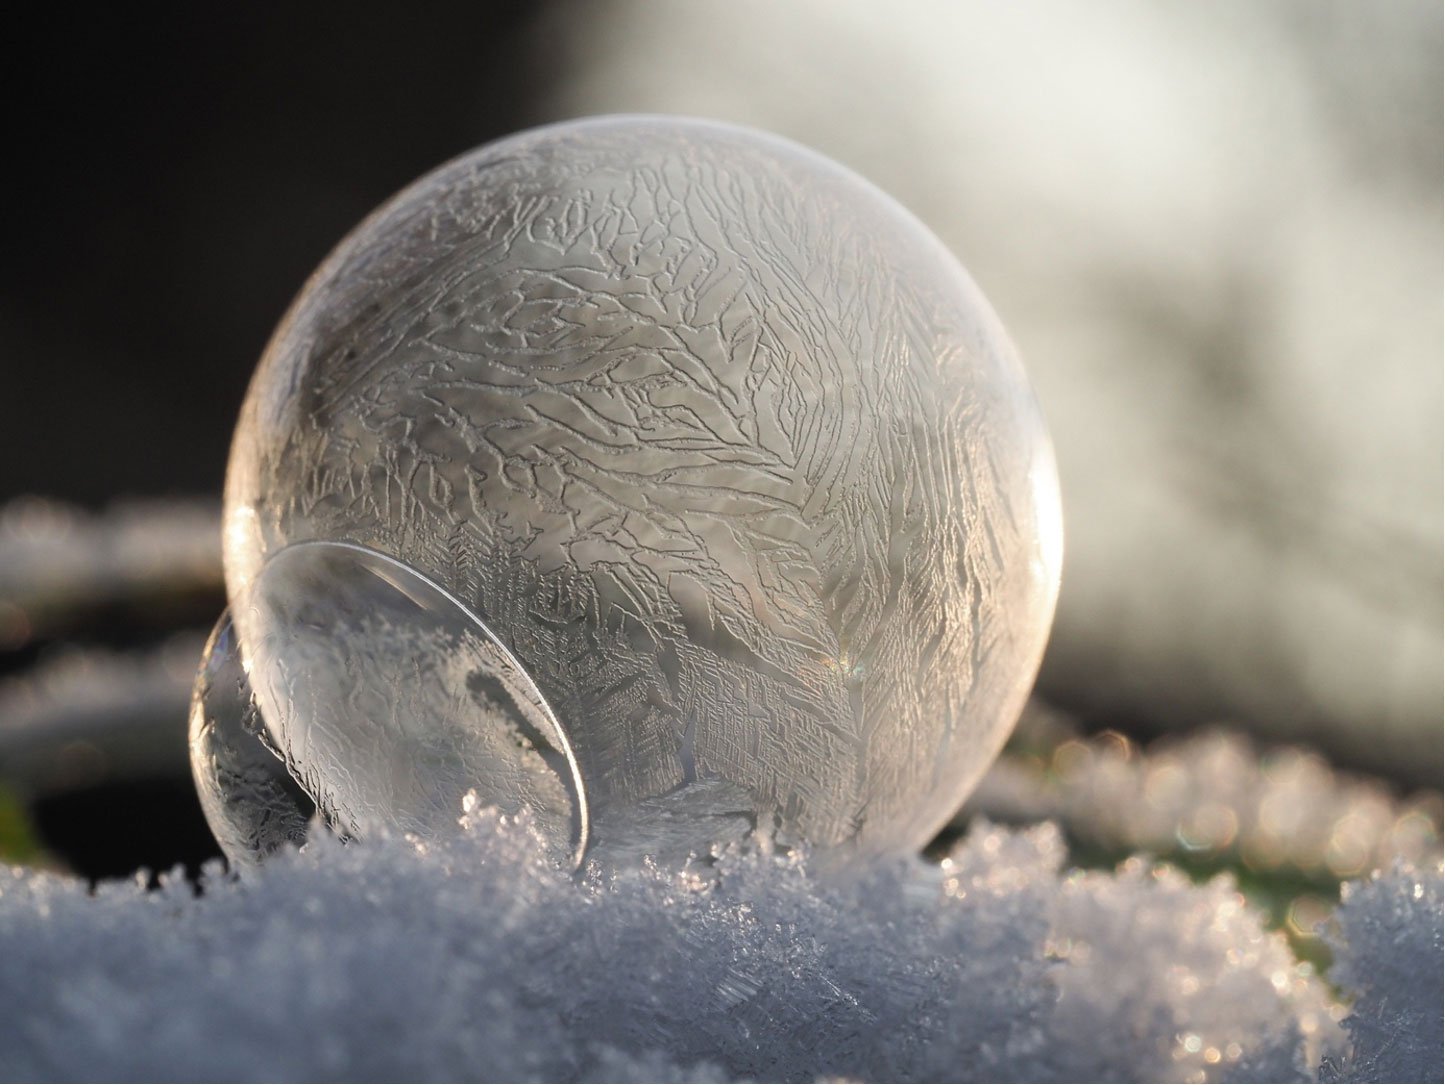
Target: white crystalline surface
(1389,942)
(720,444)
(475,958)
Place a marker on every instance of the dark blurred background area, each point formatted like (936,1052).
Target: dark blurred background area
(177,172)
(1214,232)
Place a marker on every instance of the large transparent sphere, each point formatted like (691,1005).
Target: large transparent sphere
(695,438)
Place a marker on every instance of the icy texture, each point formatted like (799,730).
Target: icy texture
(1208,1014)
(384,698)
(718,441)
(1388,949)
(251,802)
(474,957)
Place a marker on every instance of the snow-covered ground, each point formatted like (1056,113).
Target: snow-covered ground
(476,959)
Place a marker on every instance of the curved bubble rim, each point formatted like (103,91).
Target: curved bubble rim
(579,791)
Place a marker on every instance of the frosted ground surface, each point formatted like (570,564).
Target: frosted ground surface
(478,959)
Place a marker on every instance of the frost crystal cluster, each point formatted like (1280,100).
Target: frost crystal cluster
(478,957)
(626,466)
(1388,940)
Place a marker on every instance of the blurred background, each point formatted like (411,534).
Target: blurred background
(1213,230)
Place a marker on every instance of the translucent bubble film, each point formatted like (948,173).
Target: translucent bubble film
(251,802)
(656,475)
(385,698)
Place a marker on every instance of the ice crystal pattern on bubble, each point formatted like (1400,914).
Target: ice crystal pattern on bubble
(721,443)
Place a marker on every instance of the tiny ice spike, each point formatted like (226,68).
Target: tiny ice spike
(714,449)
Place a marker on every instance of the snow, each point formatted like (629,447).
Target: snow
(1388,951)
(477,959)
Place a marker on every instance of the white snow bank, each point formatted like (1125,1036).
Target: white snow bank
(474,959)
(1388,946)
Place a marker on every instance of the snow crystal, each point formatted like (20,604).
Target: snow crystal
(475,958)
(1387,939)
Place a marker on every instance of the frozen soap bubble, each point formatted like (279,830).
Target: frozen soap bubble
(692,442)
(380,699)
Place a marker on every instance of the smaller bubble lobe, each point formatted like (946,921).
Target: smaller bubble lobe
(661,478)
